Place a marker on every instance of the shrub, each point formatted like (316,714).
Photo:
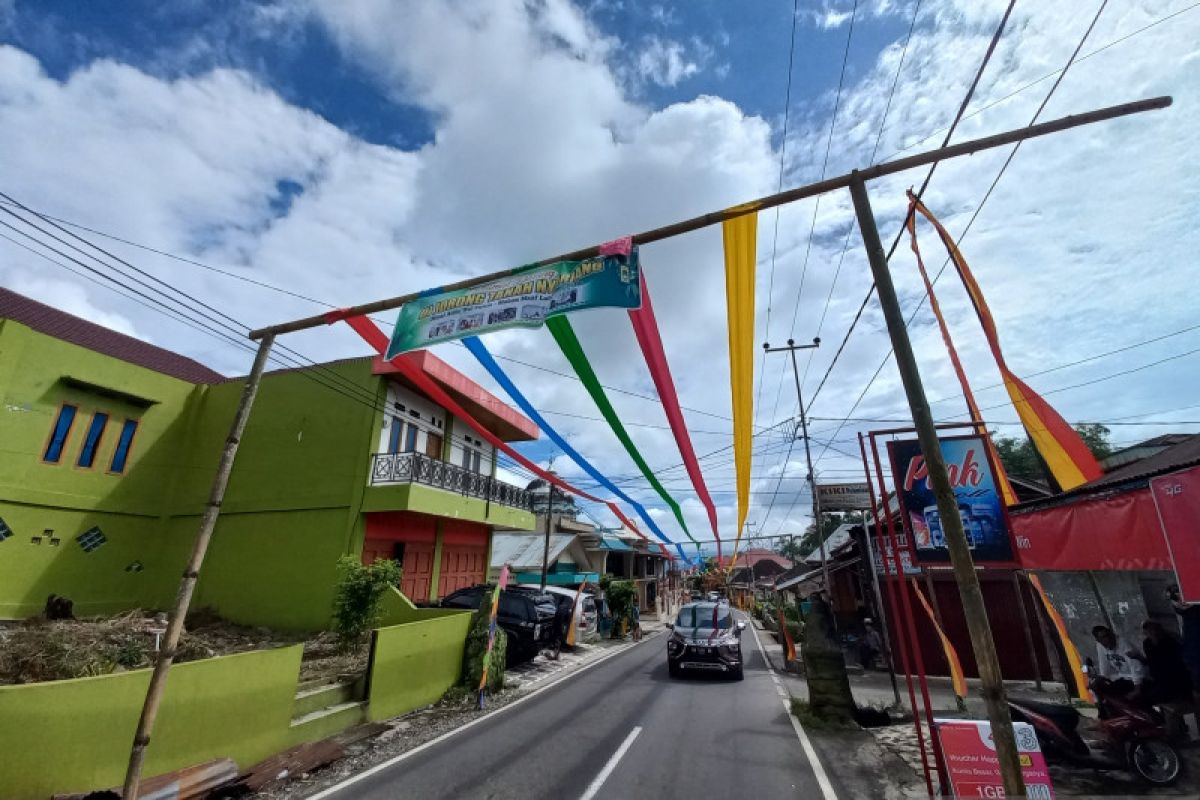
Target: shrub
(358,598)
(477,638)
(621,597)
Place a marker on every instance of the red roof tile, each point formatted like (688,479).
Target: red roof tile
(61,325)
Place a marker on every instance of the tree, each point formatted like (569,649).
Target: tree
(791,548)
(829,524)
(1020,458)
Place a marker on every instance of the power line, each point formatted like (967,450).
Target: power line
(979,208)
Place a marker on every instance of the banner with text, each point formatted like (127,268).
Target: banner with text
(969,753)
(843,496)
(1177,498)
(975,489)
(523,299)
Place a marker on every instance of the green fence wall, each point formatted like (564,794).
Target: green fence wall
(413,664)
(75,735)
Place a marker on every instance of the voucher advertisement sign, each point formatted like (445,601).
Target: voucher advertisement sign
(1177,498)
(843,496)
(973,768)
(974,484)
(523,299)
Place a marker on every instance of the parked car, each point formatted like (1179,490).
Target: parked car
(589,616)
(527,616)
(705,637)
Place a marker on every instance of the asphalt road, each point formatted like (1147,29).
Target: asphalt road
(696,737)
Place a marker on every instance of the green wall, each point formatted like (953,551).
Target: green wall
(75,735)
(415,663)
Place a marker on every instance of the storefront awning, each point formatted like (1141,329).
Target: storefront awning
(559,578)
(613,543)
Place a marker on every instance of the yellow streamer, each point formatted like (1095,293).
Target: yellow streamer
(741,240)
(958,681)
(1073,660)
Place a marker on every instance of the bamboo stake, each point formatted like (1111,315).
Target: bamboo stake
(183,599)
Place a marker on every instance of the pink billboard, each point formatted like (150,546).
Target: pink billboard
(971,764)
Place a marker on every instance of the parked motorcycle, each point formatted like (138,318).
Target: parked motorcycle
(1128,736)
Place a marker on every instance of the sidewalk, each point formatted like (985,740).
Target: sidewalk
(529,675)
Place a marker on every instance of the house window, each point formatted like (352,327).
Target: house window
(121,453)
(433,445)
(394,434)
(410,439)
(90,539)
(91,442)
(58,435)
(471,460)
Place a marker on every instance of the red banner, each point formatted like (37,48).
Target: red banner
(1177,497)
(1120,532)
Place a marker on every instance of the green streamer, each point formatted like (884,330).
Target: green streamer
(564,334)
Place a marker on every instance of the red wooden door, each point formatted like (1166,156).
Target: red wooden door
(416,561)
(462,565)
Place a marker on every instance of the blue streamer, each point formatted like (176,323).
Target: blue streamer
(485,358)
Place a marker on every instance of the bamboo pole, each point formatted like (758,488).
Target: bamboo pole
(187,585)
(770,201)
(939,481)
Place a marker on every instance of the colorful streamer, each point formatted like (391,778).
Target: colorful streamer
(740,236)
(485,359)
(645,328)
(564,335)
(789,646)
(1006,490)
(1082,690)
(1070,461)
(571,633)
(487,654)
(957,679)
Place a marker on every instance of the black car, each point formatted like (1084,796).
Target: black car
(526,615)
(706,638)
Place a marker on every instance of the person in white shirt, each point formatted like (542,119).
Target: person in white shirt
(1117,662)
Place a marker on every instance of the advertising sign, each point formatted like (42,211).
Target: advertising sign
(1177,498)
(974,770)
(521,300)
(843,496)
(886,565)
(974,484)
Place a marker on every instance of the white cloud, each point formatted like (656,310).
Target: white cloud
(666,62)
(541,146)
(74,299)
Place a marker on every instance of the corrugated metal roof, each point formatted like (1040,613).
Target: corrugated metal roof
(77,331)
(613,543)
(523,551)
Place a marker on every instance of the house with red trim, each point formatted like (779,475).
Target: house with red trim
(111,444)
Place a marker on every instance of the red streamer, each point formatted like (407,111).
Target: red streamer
(645,327)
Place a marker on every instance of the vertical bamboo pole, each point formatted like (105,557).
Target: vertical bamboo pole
(939,481)
(1033,658)
(187,585)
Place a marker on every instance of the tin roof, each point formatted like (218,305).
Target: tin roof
(99,339)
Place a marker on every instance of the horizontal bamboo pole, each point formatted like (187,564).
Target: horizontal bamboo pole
(770,201)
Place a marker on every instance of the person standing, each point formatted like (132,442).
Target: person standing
(1168,679)
(870,645)
(1189,622)
(635,622)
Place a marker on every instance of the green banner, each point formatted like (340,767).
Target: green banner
(523,299)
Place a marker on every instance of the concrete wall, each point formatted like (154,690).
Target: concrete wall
(415,663)
(75,735)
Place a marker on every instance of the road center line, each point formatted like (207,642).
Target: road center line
(595,785)
(818,771)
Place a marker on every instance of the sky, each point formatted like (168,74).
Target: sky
(352,150)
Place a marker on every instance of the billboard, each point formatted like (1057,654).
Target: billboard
(524,299)
(843,496)
(979,503)
(969,754)
(1177,498)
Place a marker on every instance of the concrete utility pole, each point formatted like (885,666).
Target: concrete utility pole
(939,481)
(792,347)
(187,586)
(549,525)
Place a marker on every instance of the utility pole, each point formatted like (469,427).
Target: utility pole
(939,481)
(792,347)
(546,544)
(187,586)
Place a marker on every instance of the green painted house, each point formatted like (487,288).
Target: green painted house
(109,445)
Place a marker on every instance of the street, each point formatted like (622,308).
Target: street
(623,729)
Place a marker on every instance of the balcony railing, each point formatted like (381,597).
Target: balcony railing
(392,468)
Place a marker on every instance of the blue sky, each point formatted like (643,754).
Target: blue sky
(350,149)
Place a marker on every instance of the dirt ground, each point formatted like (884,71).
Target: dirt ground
(37,650)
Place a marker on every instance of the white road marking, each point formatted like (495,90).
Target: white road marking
(353,779)
(595,785)
(818,771)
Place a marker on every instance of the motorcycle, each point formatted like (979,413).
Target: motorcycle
(1128,736)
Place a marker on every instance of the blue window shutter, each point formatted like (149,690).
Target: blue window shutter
(91,442)
(58,436)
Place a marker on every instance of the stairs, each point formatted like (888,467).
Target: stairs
(321,710)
